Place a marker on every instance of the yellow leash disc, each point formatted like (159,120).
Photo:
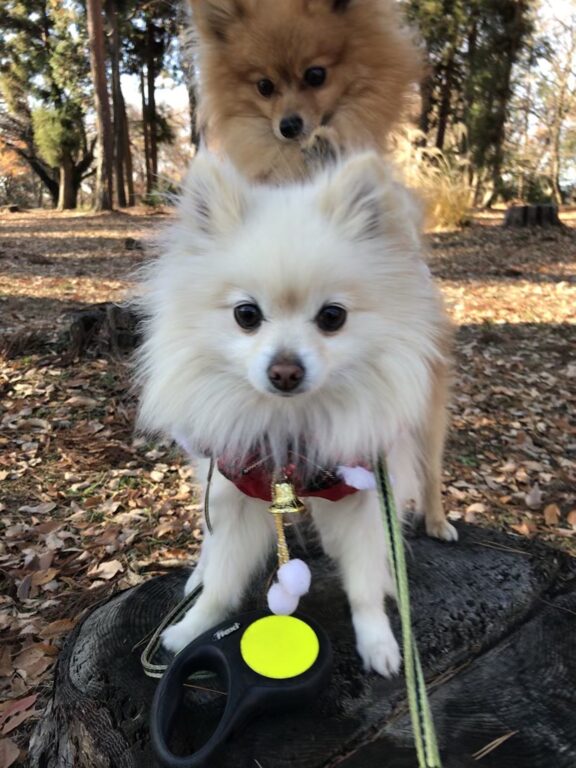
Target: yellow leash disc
(279,647)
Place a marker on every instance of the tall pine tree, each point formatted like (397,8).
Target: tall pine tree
(43,92)
(103,197)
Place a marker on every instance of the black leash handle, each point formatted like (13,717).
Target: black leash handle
(169,695)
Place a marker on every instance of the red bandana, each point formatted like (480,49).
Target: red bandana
(255,480)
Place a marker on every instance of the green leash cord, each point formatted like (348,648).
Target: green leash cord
(420,714)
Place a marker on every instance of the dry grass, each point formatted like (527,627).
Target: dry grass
(440,181)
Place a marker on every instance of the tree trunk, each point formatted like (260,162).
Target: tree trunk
(67,191)
(128,157)
(117,103)
(40,168)
(146,134)
(494,621)
(503,96)
(151,101)
(445,100)
(448,71)
(102,105)
(426,97)
(563,75)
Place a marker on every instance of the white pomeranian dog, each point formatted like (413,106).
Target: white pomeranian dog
(298,325)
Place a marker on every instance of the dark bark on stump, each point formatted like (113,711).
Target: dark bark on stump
(103,329)
(532,216)
(494,616)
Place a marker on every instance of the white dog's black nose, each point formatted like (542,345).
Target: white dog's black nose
(291,127)
(286,374)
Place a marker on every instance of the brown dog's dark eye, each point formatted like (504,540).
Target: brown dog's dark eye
(248,316)
(331,318)
(265,87)
(315,76)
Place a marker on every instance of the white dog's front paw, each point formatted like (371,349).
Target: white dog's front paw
(377,645)
(194,624)
(177,637)
(441,530)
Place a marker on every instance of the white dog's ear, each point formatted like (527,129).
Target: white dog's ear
(354,196)
(215,197)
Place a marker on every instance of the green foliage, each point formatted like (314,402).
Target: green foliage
(57,132)
(44,83)
(472,48)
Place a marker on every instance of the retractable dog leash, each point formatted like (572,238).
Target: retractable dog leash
(267,664)
(275,663)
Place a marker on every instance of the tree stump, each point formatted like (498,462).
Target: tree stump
(105,328)
(495,619)
(532,216)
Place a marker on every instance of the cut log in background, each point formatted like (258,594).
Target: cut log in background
(495,619)
(532,216)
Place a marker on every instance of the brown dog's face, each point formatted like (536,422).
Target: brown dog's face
(289,61)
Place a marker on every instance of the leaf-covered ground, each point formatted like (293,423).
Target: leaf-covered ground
(87,507)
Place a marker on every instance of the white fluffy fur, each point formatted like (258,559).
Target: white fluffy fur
(348,237)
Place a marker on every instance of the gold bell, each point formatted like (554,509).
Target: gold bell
(284,502)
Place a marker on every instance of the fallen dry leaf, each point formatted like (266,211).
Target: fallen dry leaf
(9,753)
(6,665)
(476,509)
(524,528)
(106,570)
(534,497)
(57,628)
(552,514)
(38,509)
(13,713)
(39,578)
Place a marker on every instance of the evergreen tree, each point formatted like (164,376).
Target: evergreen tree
(43,89)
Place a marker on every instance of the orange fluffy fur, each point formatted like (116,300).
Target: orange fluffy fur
(370,61)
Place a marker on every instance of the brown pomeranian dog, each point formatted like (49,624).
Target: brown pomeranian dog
(283,80)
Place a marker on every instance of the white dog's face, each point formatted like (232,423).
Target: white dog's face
(287,313)
(287,351)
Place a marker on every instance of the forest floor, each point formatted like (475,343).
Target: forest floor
(86,507)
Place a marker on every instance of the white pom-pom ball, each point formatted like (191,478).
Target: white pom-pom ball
(280,602)
(358,477)
(295,577)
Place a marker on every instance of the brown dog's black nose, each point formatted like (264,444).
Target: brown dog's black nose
(291,127)
(286,374)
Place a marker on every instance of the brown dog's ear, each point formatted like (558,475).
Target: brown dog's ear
(215,16)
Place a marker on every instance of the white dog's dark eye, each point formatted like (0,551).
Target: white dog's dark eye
(248,316)
(265,87)
(315,76)
(331,318)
